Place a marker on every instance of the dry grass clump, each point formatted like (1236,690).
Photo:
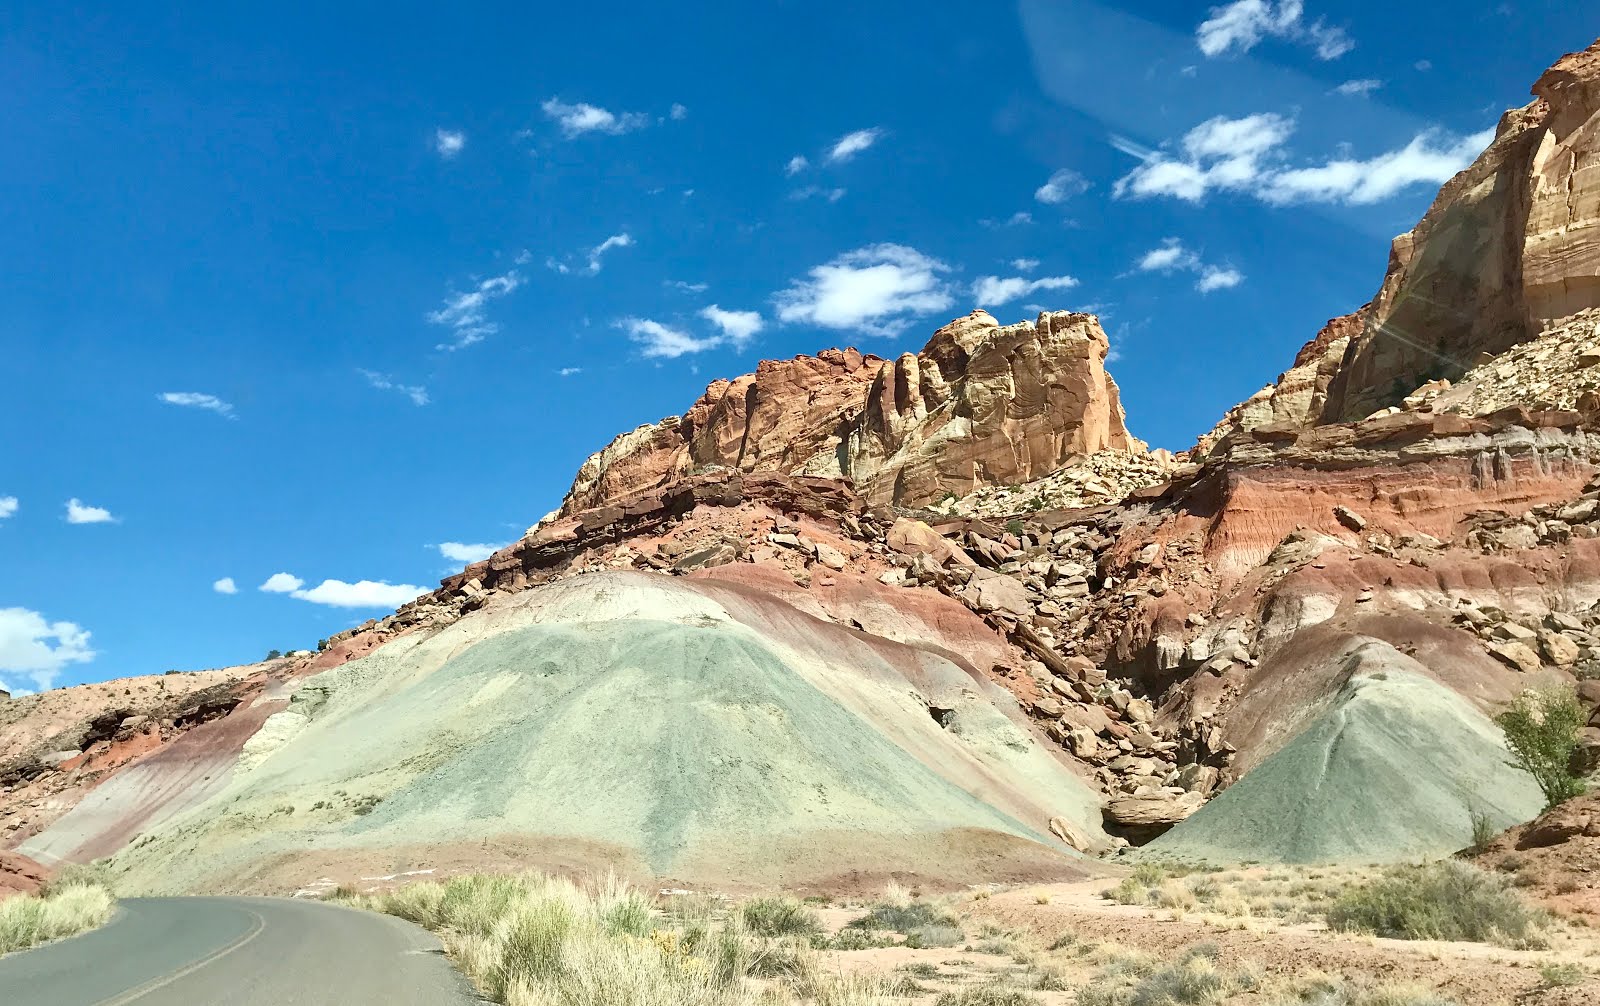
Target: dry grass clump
(1448,900)
(923,923)
(1341,992)
(64,910)
(533,940)
(1198,978)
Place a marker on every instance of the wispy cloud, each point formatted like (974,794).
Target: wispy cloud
(1173,256)
(464,313)
(685,287)
(851,144)
(658,341)
(225,586)
(1242,25)
(38,649)
(878,289)
(993,290)
(79,512)
(448,143)
(593,258)
(1248,156)
(578,119)
(569,371)
(197,400)
(1061,186)
(677,113)
(1025,264)
(796,164)
(832,195)
(738,327)
(8,506)
(384,382)
(1358,88)
(457,551)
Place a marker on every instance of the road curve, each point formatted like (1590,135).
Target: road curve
(239,951)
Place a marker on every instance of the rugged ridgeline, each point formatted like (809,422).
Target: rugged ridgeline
(943,618)
(981,405)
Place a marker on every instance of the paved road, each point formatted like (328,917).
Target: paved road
(239,951)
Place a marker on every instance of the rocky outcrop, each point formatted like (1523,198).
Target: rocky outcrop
(1510,244)
(986,405)
(981,405)
(779,419)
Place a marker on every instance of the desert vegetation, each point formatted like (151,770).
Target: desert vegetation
(534,939)
(70,905)
(1447,900)
(1541,729)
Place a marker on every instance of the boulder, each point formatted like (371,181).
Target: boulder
(1517,655)
(991,591)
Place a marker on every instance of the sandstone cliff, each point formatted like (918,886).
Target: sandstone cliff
(1509,247)
(982,404)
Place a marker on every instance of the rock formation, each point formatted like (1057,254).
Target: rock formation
(981,405)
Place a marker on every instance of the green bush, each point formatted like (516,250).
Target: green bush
(903,917)
(1448,900)
(1541,729)
(986,995)
(780,917)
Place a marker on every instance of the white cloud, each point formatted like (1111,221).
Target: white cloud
(1061,186)
(361,594)
(225,586)
(806,192)
(878,289)
(457,551)
(1218,278)
(1247,155)
(661,342)
(1172,256)
(1243,24)
(8,506)
(738,327)
(1025,264)
(463,313)
(197,400)
(796,164)
(38,649)
(678,112)
(1423,65)
(383,382)
(282,583)
(1428,158)
(1358,88)
(614,241)
(851,144)
(1169,256)
(79,512)
(575,120)
(684,286)
(1019,218)
(990,290)
(569,371)
(448,142)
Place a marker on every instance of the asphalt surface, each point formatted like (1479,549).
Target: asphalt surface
(238,951)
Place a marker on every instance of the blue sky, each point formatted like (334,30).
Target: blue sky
(315,293)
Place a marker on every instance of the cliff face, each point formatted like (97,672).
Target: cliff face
(981,404)
(1511,244)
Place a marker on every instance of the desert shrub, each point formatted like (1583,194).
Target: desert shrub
(926,937)
(1339,992)
(95,874)
(27,921)
(1483,830)
(1541,729)
(1560,975)
(780,917)
(986,995)
(1448,900)
(902,917)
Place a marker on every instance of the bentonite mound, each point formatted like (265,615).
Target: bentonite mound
(637,722)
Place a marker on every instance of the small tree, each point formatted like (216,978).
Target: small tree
(273,654)
(1541,730)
